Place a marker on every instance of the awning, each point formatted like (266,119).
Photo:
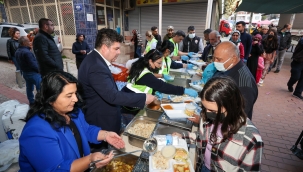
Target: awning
(272,6)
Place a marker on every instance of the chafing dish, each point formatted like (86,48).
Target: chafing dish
(136,140)
(179,123)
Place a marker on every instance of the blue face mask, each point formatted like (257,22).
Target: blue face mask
(212,116)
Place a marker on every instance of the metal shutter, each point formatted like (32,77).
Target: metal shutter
(298,22)
(133,19)
(178,15)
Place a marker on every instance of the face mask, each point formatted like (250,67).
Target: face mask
(156,70)
(191,35)
(212,116)
(220,66)
(270,36)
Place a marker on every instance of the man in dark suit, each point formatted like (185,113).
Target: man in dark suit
(103,100)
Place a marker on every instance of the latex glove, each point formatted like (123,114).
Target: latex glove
(114,139)
(190,92)
(190,66)
(167,77)
(191,53)
(159,95)
(185,58)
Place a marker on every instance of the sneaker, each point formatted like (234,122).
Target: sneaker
(277,71)
(261,81)
(290,89)
(298,96)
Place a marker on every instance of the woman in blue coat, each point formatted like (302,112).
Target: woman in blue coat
(56,135)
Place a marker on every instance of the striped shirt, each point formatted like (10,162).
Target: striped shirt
(242,152)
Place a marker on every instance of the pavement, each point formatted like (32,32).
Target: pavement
(277,114)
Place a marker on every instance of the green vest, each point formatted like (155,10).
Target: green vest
(176,48)
(165,66)
(139,88)
(149,43)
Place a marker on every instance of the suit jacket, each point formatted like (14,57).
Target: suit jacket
(43,148)
(102,97)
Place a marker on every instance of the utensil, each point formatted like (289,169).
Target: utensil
(150,145)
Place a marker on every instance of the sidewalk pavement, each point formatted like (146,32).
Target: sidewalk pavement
(277,114)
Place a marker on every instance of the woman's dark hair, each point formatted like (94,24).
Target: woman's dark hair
(271,43)
(225,93)
(51,86)
(139,65)
(167,45)
(12,31)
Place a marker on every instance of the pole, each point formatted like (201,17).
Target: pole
(160,17)
(208,13)
(29,14)
(57,11)
(250,20)
(67,67)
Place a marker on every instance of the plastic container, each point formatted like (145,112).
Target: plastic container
(168,152)
(121,76)
(190,109)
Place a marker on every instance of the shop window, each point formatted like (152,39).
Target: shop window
(100,15)
(110,18)
(100,1)
(109,2)
(117,18)
(117,3)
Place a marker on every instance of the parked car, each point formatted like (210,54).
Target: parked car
(24,30)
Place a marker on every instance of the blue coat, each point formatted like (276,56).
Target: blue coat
(26,60)
(44,149)
(102,97)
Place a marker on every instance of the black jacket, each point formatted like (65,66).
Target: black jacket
(77,46)
(26,60)
(284,40)
(298,53)
(11,47)
(192,44)
(47,53)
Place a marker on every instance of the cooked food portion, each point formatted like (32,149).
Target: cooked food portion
(181,168)
(168,107)
(177,99)
(181,154)
(159,162)
(116,165)
(168,151)
(142,129)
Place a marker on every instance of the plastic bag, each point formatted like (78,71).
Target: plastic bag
(3,106)
(9,153)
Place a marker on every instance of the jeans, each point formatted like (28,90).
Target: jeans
(280,58)
(296,75)
(204,169)
(32,79)
(14,59)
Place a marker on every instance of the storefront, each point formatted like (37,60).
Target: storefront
(178,13)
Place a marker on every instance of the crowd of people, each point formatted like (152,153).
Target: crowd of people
(71,119)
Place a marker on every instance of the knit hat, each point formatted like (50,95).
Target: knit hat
(265,27)
(170,27)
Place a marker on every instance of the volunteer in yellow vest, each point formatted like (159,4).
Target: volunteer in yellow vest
(167,63)
(177,55)
(142,80)
(151,42)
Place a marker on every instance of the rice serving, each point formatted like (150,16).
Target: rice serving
(142,129)
(159,162)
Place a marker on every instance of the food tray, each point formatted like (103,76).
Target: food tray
(182,123)
(182,144)
(197,62)
(136,140)
(177,111)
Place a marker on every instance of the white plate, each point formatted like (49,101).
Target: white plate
(182,144)
(177,111)
(197,87)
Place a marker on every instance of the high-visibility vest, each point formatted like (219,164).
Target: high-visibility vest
(139,88)
(165,66)
(176,47)
(149,43)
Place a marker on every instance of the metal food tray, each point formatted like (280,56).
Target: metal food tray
(136,140)
(179,123)
(182,82)
(127,159)
(164,129)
